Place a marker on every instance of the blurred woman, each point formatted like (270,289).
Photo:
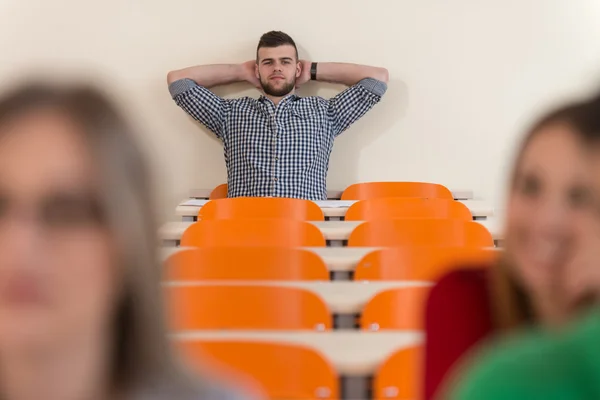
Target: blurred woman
(550,364)
(80,304)
(538,278)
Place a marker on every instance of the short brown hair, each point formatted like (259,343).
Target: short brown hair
(275,39)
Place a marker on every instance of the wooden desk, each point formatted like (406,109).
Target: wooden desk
(342,297)
(171,232)
(352,353)
(334,194)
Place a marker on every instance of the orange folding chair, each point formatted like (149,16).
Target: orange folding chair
(400,308)
(207,306)
(220,192)
(420,263)
(407,207)
(261,207)
(400,376)
(284,370)
(252,232)
(371,190)
(244,263)
(414,232)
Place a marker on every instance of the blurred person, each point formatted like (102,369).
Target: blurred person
(549,364)
(278,145)
(80,302)
(538,279)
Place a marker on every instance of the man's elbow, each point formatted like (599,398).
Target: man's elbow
(173,76)
(382,75)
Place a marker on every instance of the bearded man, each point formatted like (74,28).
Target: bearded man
(279,144)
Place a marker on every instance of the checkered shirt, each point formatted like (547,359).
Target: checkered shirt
(277,151)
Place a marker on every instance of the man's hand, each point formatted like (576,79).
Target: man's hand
(249,75)
(304,73)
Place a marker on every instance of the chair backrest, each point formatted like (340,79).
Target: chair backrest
(400,376)
(407,207)
(370,190)
(284,370)
(205,306)
(415,232)
(244,263)
(400,308)
(261,207)
(252,232)
(421,263)
(220,192)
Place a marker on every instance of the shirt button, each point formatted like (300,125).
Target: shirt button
(275,179)
(276,158)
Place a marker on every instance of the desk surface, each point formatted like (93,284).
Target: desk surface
(352,353)
(478,208)
(332,230)
(342,297)
(332,194)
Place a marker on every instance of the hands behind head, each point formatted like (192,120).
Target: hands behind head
(249,74)
(304,73)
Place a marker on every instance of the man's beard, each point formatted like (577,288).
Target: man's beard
(271,91)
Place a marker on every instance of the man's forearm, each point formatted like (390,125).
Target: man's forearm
(209,75)
(349,74)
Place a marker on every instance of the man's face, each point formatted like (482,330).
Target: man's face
(277,69)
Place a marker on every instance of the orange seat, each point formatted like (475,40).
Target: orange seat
(252,232)
(371,190)
(400,376)
(400,308)
(245,263)
(414,232)
(420,263)
(206,306)
(285,371)
(408,207)
(261,207)
(220,192)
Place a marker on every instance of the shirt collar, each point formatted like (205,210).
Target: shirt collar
(287,99)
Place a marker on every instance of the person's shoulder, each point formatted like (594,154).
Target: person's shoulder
(220,392)
(466,287)
(536,365)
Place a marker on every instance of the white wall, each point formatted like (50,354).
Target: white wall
(467,76)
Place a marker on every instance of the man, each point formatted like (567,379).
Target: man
(278,145)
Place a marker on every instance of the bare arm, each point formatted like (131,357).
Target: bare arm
(216,74)
(344,73)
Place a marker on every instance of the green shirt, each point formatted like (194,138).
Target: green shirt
(544,366)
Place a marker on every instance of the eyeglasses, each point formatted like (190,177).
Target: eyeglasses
(59,211)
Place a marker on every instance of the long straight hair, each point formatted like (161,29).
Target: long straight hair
(511,304)
(142,359)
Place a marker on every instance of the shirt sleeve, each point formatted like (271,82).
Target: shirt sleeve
(354,102)
(201,104)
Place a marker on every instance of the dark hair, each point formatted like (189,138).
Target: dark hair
(275,39)
(511,304)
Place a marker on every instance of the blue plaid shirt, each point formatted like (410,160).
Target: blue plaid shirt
(277,151)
